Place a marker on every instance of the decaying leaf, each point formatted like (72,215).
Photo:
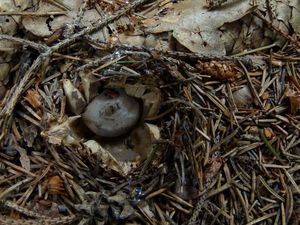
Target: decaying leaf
(294,98)
(294,20)
(196,27)
(242,97)
(132,40)
(2,90)
(4,72)
(29,133)
(33,98)
(268,132)
(75,99)
(47,207)
(7,5)
(212,169)
(295,103)
(8,25)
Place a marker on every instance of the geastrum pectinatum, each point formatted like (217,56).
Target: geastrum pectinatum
(114,116)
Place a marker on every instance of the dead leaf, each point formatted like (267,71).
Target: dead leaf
(4,72)
(132,40)
(242,97)
(47,208)
(268,132)
(7,6)
(294,20)
(196,27)
(212,169)
(33,98)
(295,103)
(8,25)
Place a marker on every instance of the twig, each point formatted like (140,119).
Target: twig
(98,26)
(18,89)
(34,45)
(271,26)
(25,13)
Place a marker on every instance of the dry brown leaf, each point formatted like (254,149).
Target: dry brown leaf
(33,98)
(132,40)
(295,103)
(268,132)
(212,169)
(47,207)
(294,98)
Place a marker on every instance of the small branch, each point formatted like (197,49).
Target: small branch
(25,13)
(98,26)
(271,26)
(39,47)
(19,89)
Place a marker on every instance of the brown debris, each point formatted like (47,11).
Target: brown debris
(215,139)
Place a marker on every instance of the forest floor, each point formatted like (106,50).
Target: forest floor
(149,112)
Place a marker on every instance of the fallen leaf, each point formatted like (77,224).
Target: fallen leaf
(295,103)
(268,132)
(242,97)
(196,27)
(4,72)
(294,20)
(33,98)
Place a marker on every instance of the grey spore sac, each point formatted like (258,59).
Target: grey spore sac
(112,113)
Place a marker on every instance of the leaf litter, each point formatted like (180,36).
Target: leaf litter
(216,89)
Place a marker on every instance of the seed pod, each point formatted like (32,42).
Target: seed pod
(112,113)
